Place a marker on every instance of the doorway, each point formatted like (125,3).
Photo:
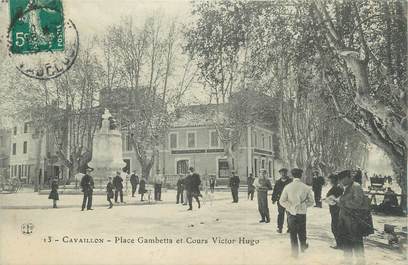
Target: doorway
(182,166)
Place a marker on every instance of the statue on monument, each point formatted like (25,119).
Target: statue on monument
(107,150)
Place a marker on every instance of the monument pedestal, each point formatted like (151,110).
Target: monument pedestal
(106,153)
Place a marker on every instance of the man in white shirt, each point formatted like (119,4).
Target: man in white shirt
(295,198)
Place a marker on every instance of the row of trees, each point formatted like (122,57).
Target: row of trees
(338,68)
(242,46)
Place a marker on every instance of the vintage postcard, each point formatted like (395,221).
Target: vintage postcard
(219,132)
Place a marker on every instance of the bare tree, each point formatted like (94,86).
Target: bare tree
(63,110)
(155,77)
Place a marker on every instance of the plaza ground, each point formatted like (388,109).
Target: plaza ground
(240,239)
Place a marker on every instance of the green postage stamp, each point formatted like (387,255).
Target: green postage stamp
(36,26)
(43,43)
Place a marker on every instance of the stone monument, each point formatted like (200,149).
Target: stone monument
(106,153)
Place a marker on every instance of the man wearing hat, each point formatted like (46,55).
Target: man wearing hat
(251,187)
(357,175)
(87,185)
(317,185)
(276,194)
(117,183)
(295,198)
(158,182)
(332,197)
(192,185)
(134,181)
(234,184)
(109,192)
(263,185)
(351,203)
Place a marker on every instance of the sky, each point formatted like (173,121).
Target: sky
(378,162)
(93,17)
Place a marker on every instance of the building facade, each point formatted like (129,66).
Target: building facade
(27,149)
(5,136)
(193,141)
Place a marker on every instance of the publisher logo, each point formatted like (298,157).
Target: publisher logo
(27,229)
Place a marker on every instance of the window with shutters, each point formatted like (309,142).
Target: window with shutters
(25,147)
(214,140)
(191,139)
(173,140)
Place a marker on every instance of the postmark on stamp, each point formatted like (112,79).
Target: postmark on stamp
(41,41)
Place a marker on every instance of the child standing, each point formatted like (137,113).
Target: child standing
(109,192)
(54,193)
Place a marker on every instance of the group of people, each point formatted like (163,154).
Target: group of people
(188,187)
(114,189)
(87,185)
(348,205)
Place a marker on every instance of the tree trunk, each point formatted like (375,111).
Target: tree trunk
(399,165)
(360,71)
(230,155)
(38,163)
(146,167)
(402,181)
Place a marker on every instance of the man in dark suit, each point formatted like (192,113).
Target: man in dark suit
(192,185)
(134,181)
(180,189)
(251,187)
(351,204)
(317,185)
(276,194)
(332,197)
(234,184)
(390,203)
(358,176)
(212,182)
(87,185)
(117,183)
